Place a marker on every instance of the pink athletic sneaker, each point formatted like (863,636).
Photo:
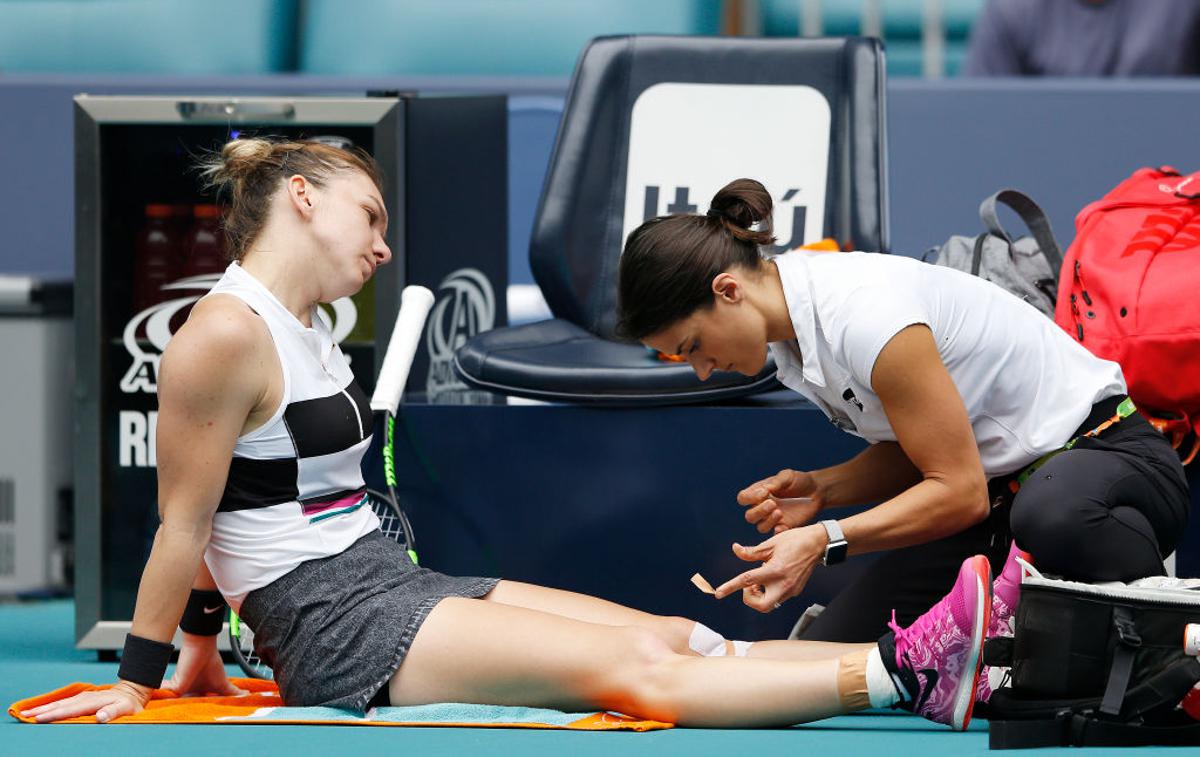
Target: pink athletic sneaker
(1005,592)
(937,658)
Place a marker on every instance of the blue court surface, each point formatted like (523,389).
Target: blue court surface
(37,654)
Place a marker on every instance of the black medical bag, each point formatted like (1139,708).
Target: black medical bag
(1097,665)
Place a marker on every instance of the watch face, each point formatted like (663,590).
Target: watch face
(835,553)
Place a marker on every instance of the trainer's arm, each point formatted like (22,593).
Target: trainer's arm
(879,472)
(931,425)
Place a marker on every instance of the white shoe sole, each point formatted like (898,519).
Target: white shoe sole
(964,698)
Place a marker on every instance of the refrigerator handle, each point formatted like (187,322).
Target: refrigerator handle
(235,110)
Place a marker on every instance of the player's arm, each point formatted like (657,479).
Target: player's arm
(212,376)
(211,379)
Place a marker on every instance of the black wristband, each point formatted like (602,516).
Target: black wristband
(144,661)
(204,614)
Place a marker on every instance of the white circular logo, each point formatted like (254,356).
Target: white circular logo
(154,325)
(466,306)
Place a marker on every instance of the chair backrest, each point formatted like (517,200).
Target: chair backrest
(656,125)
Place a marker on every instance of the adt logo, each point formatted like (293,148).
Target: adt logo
(466,306)
(681,203)
(146,336)
(153,327)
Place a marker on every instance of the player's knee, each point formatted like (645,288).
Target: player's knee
(642,679)
(677,632)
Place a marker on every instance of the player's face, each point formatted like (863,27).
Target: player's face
(350,225)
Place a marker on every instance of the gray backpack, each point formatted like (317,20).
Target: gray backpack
(1027,267)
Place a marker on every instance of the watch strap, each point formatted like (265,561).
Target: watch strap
(837,548)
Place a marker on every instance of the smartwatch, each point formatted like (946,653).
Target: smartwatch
(838,547)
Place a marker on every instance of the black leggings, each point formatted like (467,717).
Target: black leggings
(1110,509)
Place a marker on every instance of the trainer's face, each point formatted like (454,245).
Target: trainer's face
(729,336)
(350,224)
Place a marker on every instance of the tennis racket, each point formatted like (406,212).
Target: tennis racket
(415,303)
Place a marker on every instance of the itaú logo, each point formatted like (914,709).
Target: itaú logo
(466,306)
(681,202)
(147,333)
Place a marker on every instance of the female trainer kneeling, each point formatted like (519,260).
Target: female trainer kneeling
(259,443)
(966,394)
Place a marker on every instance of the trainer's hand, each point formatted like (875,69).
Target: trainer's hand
(124,698)
(200,670)
(788,559)
(789,499)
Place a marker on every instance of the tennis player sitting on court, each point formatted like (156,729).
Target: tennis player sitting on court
(976,406)
(259,438)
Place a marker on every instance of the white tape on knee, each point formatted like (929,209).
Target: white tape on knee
(709,643)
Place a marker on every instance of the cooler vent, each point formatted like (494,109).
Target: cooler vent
(8,502)
(8,530)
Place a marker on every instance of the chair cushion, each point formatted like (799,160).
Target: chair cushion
(556,360)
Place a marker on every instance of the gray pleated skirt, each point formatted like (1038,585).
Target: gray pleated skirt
(334,630)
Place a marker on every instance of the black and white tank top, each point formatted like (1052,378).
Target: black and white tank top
(295,490)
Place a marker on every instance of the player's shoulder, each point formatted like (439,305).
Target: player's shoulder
(224,324)
(221,333)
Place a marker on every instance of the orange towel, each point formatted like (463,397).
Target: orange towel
(262,705)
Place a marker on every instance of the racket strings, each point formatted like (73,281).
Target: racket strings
(392,520)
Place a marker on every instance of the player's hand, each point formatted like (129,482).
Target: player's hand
(788,559)
(200,670)
(789,499)
(124,698)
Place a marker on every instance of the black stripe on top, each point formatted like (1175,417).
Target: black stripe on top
(330,424)
(259,483)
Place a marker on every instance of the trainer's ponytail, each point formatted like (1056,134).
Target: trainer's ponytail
(669,262)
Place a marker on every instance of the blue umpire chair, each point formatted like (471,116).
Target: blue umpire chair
(656,125)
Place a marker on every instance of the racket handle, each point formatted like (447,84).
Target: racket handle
(415,303)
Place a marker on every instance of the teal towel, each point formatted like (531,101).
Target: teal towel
(427,713)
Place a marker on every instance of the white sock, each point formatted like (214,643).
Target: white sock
(740,648)
(881,689)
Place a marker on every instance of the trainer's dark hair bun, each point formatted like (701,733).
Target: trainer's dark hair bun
(741,205)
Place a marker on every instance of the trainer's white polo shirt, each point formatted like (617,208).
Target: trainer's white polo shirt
(1025,383)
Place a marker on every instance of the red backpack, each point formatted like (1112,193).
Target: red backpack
(1130,292)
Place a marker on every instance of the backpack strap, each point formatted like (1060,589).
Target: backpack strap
(977,254)
(1122,663)
(1033,216)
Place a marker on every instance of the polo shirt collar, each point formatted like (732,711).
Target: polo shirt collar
(797,292)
